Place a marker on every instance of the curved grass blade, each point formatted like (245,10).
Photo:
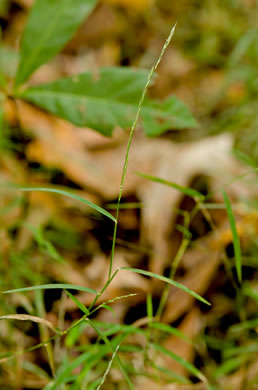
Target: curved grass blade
(52,286)
(27,317)
(73,196)
(108,367)
(185,190)
(171,330)
(82,360)
(167,280)
(109,345)
(236,241)
(2,98)
(171,374)
(137,117)
(188,366)
(51,24)
(229,366)
(77,302)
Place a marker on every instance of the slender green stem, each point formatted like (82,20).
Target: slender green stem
(178,257)
(152,71)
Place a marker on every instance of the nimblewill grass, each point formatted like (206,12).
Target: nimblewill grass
(93,354)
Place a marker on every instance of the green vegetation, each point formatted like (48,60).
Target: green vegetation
(56,233)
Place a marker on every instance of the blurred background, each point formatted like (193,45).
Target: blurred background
(211,65)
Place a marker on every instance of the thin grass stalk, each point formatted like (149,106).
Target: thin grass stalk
(151,73)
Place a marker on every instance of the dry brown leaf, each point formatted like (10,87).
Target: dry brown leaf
(27,317)
(67,152)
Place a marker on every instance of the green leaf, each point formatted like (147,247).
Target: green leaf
(108,100)
(171,374)
(188,366)
(71,195)
(2,98)
(240,350)
(229,366)
(149,308)
(67,368)
(236,241)
(77,302)
(46,246)
(250,291)
(159,117)
(109,308)
(8,61)
(185,190)
(110,329)
(109,345)
(243,326)
(171,330)
(34,369)
(167,280)
(51,24)
(52,286)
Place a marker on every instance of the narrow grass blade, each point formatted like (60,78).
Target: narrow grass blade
(69,367)
(71,195)
(27,317)
(241,350)
(108,367)
(109,308)
(172,375)
(236,241)
(2,98)
(108,343)
(167,280)
(137,117)
(244,326)
(149,307)
(34,369)
(188,366)
(110,329)
(185,190)
(52,286)
(169,329)
(229,366)
(77,302)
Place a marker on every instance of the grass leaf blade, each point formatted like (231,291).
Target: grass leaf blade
(185,190)
(167,280)
(73,196)
(52,286)
(236,241)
